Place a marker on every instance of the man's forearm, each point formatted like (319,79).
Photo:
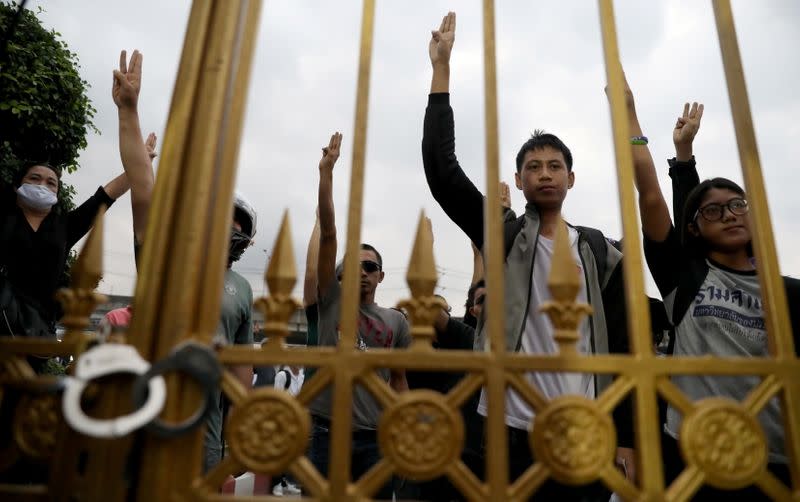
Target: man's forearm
(312,259)
(133,152)
(327,222)
(644,167)
(440,82)
(117,187)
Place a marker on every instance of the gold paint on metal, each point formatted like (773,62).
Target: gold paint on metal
(421,277)
(574,438)
(14,368)
(280,276)
(36,423)
(421,434)
(497,466)
(530,480)
(268,431)
(80,299)
(773,293)
(372,481)
(564,283)
(650,474)
(216,477)
(341,420)
(779,329)
(182,272)
(464,389)
(725,442)
(233,388)
(178,298)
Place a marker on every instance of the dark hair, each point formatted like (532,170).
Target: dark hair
(368,247)
(696,244)
(27,165)
(539,140)
(471,293)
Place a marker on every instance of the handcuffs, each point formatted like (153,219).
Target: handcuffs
(149,390)
(200,363)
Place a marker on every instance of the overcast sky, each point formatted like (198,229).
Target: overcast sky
(550,76)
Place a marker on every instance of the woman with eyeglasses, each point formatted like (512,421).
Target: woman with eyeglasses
(705,271)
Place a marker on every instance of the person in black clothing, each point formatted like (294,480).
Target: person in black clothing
(545,175)
(35,239)
(36,233)
(708,279)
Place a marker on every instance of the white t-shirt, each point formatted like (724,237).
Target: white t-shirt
(537,338)
(295,384)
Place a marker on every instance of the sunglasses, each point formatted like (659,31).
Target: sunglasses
(369,266)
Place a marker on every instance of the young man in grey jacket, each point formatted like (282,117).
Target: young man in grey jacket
(544,174)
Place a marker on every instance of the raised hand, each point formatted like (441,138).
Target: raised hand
(629,101)
(330,153)
(127,81)
(505,195)
(442,40)
(688,124)
(150,145)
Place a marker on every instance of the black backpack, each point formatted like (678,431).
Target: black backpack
(265,376)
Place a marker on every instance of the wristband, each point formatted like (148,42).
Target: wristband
(639,140)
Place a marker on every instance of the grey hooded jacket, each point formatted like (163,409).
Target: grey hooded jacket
(464,203)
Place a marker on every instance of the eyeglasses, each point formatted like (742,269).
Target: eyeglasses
(714,212)
(480,300)
(370,266)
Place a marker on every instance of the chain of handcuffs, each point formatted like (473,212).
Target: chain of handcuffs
(149,391)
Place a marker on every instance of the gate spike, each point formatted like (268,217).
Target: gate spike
(421,277)
(80,299)
(564,280)
(564,283)
(280,276)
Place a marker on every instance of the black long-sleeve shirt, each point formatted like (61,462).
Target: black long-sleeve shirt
(33,260)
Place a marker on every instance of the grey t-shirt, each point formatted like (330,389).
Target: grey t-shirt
(725,319)
(235,327)
(378,327)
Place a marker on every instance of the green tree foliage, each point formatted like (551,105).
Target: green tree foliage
(45,112)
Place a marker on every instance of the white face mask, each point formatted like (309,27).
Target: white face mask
(37,197)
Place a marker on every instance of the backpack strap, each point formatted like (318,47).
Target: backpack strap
(690,281)
(288,381)
(595,238)
(599,246)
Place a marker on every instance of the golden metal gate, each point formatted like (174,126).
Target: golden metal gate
(177,299)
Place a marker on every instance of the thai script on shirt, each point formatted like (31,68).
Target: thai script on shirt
(734,297)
